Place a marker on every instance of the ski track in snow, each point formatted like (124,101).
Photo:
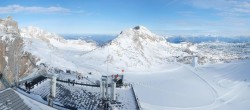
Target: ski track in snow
(221,100)
(208,84)
(195,107)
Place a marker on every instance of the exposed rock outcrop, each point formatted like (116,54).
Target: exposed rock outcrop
(12,57)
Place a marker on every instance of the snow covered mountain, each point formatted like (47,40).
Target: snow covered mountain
(54,40)
(135,48)
(52,49)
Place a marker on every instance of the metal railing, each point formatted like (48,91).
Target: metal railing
(77,83)
(136,98)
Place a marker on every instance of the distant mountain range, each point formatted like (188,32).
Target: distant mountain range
(200,39)
(101,39)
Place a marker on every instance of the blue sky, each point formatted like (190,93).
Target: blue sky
(172,17)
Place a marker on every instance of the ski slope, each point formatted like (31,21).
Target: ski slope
(209,87)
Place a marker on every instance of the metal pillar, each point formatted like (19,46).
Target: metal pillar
(113,91)
(106,89)
(102,87)
(52,90)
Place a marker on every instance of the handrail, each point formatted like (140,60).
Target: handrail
(23,81)
(136,98)
(83,84)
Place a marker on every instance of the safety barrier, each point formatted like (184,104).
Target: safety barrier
(136,98)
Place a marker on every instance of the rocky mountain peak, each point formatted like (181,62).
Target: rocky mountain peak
(9,26)
(138,34)
(141,28)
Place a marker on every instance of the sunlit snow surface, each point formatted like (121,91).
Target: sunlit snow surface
(215,87)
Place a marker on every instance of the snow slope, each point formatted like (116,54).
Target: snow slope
(208,87)
(55,40)
(52,49)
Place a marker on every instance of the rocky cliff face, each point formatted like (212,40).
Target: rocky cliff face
(11,54)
